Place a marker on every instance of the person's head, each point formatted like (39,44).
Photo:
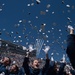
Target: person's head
(14,68)
(56,67)
(6,61)
(35,64)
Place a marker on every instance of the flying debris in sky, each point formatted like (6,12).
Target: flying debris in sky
(53,12)
(28,5)
(63,2)
(20,21)
(0,9)
(38,1)
(40,20)
(32,4)
(70,27)
(24,48)
(48,6)
(47,48)
(31,48)
(68,6)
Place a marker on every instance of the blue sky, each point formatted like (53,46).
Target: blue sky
(21,22)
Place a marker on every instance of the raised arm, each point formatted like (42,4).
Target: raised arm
(46,66)
(26,64)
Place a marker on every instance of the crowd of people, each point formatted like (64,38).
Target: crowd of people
(33,67)
(15,58)
(49,67)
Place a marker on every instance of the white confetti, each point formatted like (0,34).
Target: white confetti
(47,48)
(32,4)
(19,36)
(38,1)
(17,41)
(28,5)
(52,12)
(43,33)
(12,32)
(0,9)
(70,27)
(40,30)
(14,41)
(20,21)
(48,31)
(24,48)
(46,36)
(52,53)
(68,6)
(47,10)
(48,6)
(36,17)
(52,28)
(4,29)
(68,18)
(31,48)
(20,40)
(59,30)
(3,4)
(47,40)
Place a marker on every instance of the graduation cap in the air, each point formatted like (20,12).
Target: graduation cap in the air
(38,1)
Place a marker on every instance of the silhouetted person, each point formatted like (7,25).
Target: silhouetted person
(71,46)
